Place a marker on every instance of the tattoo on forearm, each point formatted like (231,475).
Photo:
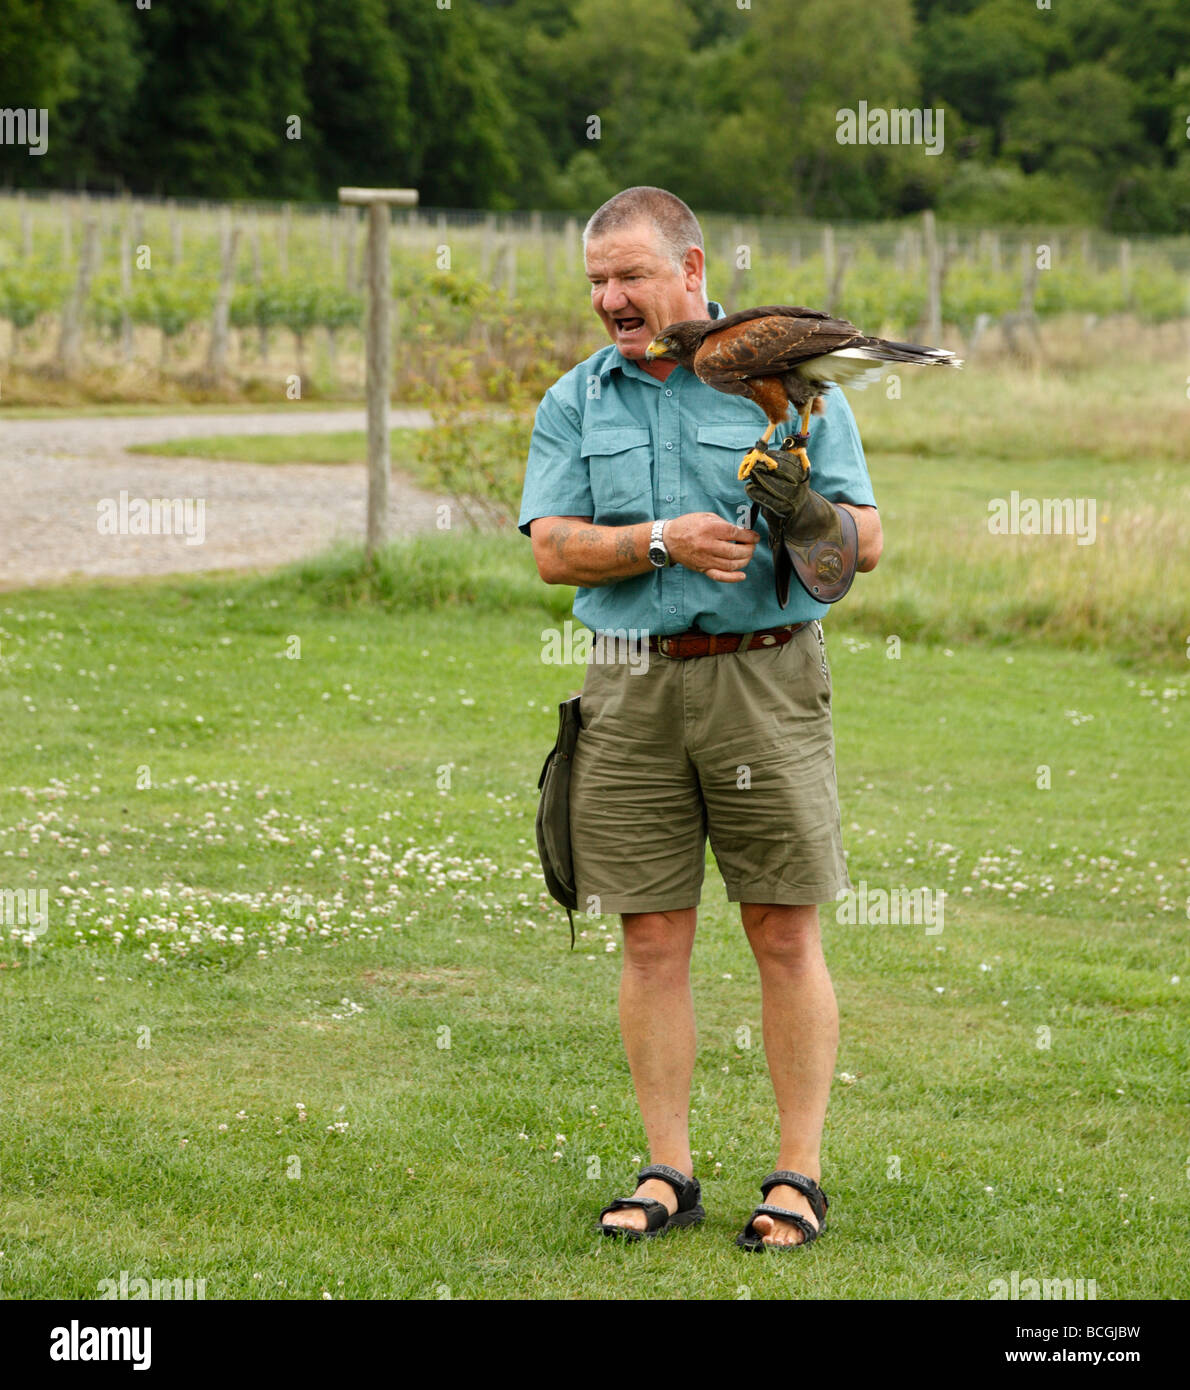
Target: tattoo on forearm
(559,536)
(625,545)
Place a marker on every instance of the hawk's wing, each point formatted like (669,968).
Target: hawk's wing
(769,342)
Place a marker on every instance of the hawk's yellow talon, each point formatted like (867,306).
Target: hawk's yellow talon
(750,460)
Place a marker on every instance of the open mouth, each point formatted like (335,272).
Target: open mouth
(628,325)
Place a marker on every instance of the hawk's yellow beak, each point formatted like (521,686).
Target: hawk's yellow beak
(656,349)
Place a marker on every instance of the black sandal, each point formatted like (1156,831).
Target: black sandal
(751,1239)
(657,1217)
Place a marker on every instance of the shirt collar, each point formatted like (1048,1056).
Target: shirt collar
(616,361)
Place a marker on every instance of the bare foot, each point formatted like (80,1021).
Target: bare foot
(776,1232)
(636,1218)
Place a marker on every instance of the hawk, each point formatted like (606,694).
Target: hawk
(779,355)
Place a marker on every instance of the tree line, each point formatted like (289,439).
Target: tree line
(1039,110)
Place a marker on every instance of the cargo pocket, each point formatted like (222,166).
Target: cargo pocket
(620,462)
(721,447)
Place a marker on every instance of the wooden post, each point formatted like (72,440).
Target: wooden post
(1028,278)
(571,240)
(283,240)
(510,259)
(217,351)
(350,260)
(933,279)
(70,338)
(175,235)
(126,236)
(828,262)
(834,290)
(379,348)
(489,252)
(1126,270)
(548,243)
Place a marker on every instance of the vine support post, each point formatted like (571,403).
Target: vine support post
(378,201)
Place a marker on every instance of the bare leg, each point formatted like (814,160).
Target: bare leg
(657,1025)
(754,456)
(801,1036)
(804,428)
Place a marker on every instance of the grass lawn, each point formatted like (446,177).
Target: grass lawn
(287,837)
(336,446)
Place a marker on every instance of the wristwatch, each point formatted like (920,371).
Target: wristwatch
(658,555)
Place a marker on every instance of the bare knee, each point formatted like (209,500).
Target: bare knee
(656,941)
(783,935)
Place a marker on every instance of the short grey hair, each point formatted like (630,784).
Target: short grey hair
(676,226)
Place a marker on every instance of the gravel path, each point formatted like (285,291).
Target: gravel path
(54,474)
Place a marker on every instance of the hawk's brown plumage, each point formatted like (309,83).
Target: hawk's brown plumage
(780,355)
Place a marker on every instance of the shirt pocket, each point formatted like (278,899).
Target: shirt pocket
(721,448)
(620,460)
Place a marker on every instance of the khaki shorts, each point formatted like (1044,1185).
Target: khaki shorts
(737,747)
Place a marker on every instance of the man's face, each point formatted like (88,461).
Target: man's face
(636,290)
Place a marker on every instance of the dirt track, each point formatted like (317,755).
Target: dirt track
(54,474)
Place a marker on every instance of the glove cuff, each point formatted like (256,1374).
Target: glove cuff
(825,565)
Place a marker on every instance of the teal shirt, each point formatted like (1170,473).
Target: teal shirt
(613,443)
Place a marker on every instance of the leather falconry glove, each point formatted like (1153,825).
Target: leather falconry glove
(812,537)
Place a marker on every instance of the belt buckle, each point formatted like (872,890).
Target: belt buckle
(663,646)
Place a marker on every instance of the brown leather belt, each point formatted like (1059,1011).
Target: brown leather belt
(684,645)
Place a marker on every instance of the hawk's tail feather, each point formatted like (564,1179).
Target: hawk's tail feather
(888,350)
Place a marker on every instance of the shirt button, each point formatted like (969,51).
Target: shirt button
(669,497)
(669,443)
(668,392)
(673,610)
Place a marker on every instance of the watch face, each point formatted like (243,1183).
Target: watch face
(658,555)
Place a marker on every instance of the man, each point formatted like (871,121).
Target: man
(736,744)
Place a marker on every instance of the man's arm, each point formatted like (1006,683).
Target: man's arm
(570,550)
(870,534)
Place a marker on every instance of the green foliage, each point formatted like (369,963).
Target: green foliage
(296,303)
(1081,107)
(338,308)
(996,194)
(255,306)
(170,304)
(481,467)
(297,306)
(24,298)
(107,304)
